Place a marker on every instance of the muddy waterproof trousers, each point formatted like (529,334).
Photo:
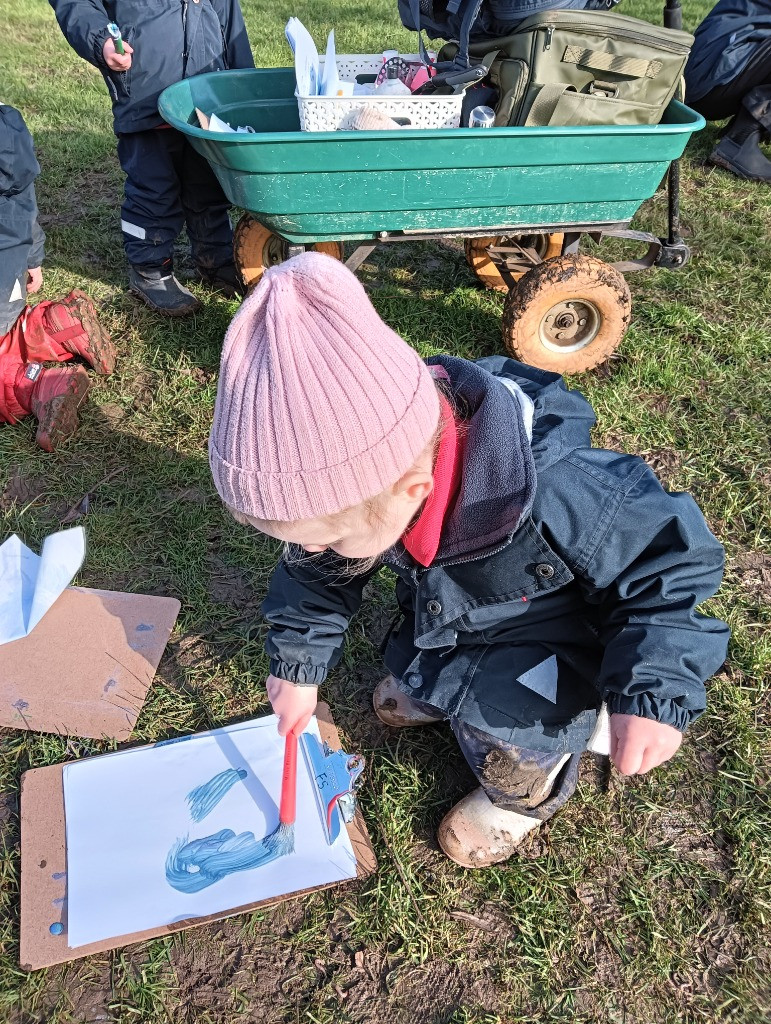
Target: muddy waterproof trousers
(536,783)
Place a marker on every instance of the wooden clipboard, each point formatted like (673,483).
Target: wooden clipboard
(44,869)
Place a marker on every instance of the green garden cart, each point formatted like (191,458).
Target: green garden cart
(522,199)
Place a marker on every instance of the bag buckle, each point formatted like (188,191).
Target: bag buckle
(606,89)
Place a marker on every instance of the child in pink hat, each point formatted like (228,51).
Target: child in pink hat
(538,579)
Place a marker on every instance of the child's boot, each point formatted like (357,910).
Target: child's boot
(393,707)
(53,396)
(56,331)
(159,288)
(476,833)
(225,279)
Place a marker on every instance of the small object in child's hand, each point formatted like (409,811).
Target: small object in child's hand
(116,37)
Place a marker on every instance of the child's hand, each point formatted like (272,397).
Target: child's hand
(34,280)
(639,744)
(293,704)
(114,60)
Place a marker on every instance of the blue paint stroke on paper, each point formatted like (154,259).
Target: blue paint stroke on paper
(172,739)
(205,798)
(192,866)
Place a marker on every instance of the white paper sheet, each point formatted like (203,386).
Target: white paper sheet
(330,82)
(30,583)
(124,814)
(306,57)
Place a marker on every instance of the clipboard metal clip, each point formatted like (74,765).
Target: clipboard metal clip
(337,776)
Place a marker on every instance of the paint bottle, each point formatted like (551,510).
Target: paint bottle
(392,85)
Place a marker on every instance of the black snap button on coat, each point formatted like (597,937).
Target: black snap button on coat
(544,570)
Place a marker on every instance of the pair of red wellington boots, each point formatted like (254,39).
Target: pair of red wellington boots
(55,331)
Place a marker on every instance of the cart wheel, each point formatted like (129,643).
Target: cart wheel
(256,247)
(567,315)
(502,272)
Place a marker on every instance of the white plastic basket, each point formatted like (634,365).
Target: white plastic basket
(335,113)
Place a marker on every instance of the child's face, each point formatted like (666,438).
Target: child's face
(365,531)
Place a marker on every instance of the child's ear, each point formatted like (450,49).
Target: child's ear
(415,486)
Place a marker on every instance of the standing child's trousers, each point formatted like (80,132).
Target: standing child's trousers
(170,185)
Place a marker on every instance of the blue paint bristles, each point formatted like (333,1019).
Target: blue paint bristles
(204,798)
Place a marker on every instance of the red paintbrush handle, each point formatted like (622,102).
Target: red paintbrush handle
(288,808)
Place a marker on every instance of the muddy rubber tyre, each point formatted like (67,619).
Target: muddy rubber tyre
(497,277)
(256,247)
(567,315)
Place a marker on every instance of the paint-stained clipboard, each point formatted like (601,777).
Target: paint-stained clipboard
(85,669)
(44,869)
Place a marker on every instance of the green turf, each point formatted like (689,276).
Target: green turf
(647,900)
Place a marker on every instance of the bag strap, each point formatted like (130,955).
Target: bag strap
(545,104)
(470,10)
(598,60)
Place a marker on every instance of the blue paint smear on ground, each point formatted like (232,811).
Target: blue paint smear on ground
(144,628)
(192,866)
(56,928)
(20,705)
(110,684)
(205,798)
(59,901)
(59,874)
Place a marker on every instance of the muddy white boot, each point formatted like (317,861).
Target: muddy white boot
(476,833)
(393,707)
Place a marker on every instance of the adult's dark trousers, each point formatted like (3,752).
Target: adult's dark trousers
(169,185)
(725,100)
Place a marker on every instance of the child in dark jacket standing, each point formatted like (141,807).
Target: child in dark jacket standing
(168,184)
(538,578)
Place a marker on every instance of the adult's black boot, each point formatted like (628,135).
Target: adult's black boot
(739,149)
(159,288)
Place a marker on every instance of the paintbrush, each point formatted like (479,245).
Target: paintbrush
(287,812)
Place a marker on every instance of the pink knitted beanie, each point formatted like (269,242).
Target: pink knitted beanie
(320,405)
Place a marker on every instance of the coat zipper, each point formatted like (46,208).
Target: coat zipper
(184,37)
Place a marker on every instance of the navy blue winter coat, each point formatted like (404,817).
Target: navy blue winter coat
(559,563)
(724,42)
(172,40)
(22,241)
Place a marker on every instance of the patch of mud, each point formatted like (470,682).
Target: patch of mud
(665,463)
(22,488)
(677,831)
(254,971)
(754,571)
(230,586)
(513,774)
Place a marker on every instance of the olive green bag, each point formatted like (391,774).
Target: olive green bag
(582,68)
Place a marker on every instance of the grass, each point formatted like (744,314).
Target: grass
(647,900)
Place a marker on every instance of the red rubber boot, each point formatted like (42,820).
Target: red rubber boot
(53,396)
(67,327)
